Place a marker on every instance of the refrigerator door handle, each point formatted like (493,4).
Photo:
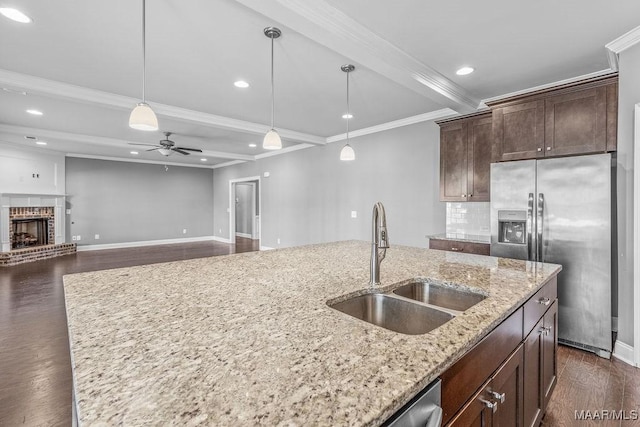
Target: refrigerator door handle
(530,255)
(540,226)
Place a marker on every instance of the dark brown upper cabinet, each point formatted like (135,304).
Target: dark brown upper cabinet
(577,118)
(465,158)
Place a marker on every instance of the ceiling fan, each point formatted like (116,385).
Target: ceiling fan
(166,146)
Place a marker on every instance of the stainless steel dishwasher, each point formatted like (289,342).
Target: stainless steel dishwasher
(423,410)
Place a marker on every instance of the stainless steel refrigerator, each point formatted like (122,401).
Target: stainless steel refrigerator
(559,211)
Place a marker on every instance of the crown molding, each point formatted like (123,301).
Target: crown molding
(225,164)
(330,27)
(431,116)
(127,160)
(596,74)
(60,90)
(100,140)
(620,44)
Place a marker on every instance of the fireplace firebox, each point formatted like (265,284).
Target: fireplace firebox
(29,232)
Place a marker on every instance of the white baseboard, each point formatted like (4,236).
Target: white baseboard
(245,235)
(614,324)
(143,243)
(266,248)
(221,239)
(623,352)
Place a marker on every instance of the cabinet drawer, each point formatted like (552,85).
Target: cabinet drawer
(461,381)
(458,246)
(538,304)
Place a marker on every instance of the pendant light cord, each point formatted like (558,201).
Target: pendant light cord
(348,109)
(272,91)
(144,50)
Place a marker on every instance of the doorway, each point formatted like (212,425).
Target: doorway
(244,209)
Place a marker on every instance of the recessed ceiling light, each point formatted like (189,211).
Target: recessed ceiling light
(465,70)
(252,145)
(17,91)
(15,15)
(41,143)
(34,112)
(347,116)
(133,152)
(241,84)
(203,160)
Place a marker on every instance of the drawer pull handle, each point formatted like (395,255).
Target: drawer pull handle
(491,405)
(498,396)
(545,330)
(544,301)
(456,249)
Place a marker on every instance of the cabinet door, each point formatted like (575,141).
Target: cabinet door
(533,402)
(478,412)
(576,123)
(549,352)
(518,131)
(453,162)
(479,155)
(506,390)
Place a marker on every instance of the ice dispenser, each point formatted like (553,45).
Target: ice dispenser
(512,227)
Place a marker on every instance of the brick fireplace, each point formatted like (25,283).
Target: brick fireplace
(32,228)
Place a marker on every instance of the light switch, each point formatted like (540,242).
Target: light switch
(68,211)
(354,214)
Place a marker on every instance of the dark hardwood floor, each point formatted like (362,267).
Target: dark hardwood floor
(35,367)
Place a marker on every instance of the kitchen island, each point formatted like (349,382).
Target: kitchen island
(249,338)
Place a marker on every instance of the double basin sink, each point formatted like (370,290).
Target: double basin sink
(415,308)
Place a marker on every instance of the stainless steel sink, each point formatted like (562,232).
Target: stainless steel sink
(393,313)
(442,296)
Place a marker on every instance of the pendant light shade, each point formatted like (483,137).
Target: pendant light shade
(272,140)
(142,117)
(347,154)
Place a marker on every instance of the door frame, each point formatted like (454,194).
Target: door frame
(636,237)
(232,205)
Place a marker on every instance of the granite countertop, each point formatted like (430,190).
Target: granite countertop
(249,338)
(463,237)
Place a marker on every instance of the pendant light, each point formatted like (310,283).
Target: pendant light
(142,117)
(347,154)
(272,140)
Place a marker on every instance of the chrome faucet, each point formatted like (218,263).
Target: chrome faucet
(379,242)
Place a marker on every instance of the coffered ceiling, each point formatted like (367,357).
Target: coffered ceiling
(80,63)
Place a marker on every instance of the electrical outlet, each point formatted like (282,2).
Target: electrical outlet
(184,231)
(97,237)
(78,237)
(278,240)
(354,214)
(74,238)
(68,211)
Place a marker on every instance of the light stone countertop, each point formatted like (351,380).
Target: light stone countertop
(249,339)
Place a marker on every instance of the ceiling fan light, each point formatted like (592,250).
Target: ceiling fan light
(347,154)
(272,141)
(143,118)
(164,151)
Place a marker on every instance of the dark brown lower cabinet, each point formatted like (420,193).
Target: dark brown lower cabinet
(540,366)
(506,380)
(499,401)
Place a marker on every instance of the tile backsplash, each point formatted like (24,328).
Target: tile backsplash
(469,218)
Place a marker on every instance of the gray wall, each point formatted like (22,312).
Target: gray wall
(131,202)
(309,195)
(244,213)
(629,95)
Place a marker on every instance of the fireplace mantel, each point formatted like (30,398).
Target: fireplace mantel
(12,200)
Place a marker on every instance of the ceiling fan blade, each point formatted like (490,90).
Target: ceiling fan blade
(139,143)
(153,149)
(178,150)
(190,149)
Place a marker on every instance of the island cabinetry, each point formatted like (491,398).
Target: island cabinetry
(460,246)
(577,118)
(506,380)
(465,158)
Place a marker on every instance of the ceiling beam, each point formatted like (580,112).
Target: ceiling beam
(102,141)
(328,26)
(60,90)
